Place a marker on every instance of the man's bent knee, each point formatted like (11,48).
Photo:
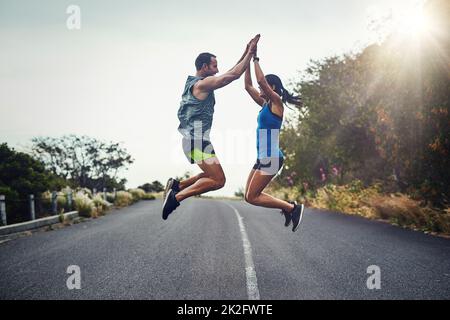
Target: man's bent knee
(219,182)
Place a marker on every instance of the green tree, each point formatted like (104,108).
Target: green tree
(239,193)
(379,114)
(20,176)
(86,161)
(155,186)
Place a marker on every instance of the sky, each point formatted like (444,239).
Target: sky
(120,76)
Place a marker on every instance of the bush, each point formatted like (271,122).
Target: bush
(100,204)
(85,191)
(83,204)
(110,197)
(148,196)
(240,193)
(123,199)
(404,211)
(137,194)
(155,186)
(95,213)
(61,202)
(351,198)
(371,203)
(20,176)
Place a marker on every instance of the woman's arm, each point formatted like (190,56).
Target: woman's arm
(265,87)
(250,89)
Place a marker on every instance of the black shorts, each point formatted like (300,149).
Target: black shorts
(198,150)
(270,166)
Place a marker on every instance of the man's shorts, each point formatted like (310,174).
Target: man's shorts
(270,166)
(198,150)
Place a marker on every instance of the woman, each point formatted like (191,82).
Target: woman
(270,158)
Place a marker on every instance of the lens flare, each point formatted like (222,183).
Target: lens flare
(412,22)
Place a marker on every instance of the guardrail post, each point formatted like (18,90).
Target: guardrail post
(69,200)
(54,203)
(3,209)
(32,212)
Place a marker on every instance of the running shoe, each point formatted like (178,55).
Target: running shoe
(297,216)
(170,204)
(172,184)
(288,215)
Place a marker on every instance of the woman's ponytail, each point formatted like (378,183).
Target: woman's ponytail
(287,97)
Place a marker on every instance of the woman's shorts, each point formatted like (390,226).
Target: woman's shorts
(270,166)
(198,150)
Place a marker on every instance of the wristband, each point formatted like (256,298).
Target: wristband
(255,59)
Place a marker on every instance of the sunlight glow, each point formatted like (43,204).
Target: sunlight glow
(413,22)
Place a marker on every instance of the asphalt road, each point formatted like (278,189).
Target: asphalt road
(214,249)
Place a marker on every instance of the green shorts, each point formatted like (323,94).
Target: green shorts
(198,150)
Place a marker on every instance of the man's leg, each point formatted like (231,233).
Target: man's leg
(212,178)
(190,181)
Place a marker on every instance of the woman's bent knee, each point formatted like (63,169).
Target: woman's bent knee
(251,198)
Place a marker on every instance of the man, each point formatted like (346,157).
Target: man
(196,116)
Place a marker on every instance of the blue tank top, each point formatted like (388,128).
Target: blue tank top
(268,133)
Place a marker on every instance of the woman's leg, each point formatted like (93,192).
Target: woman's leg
(255,196)
(249,179)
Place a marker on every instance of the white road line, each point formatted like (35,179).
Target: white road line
(252,282)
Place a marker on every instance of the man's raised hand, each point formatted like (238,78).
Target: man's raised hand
(253,45)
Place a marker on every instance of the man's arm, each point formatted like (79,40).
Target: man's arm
(244,54)
(212,83)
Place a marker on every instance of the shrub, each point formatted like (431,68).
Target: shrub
(61,202)
(83,204)
(148,196)
(101,204)
(85,191)
(371,203)
(240,193)
(95,213)
(123,199)
(110,197)
(137,194)
(405,211)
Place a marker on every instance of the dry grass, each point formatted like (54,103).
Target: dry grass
(405,211)
(398,209)
(123,199)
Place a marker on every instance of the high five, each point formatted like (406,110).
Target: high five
(196,117)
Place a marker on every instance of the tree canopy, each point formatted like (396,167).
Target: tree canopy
(86,161)
(381,114)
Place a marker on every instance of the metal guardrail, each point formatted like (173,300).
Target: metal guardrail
(32,208)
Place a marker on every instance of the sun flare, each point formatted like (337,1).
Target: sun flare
(413,22)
